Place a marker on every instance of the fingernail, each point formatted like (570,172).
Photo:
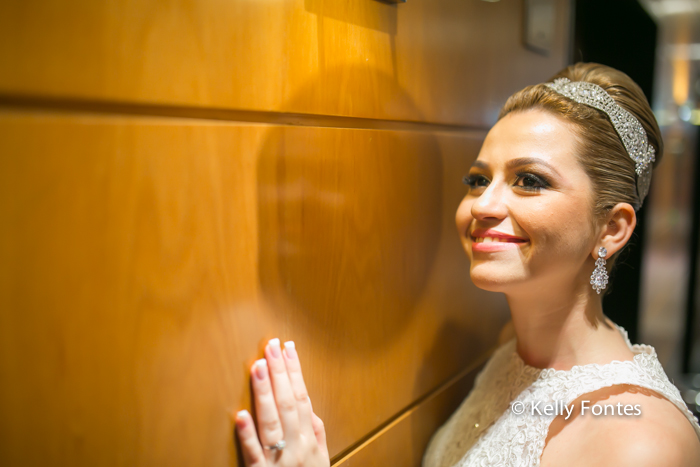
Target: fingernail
(241,419)
(312,407)
(261,368)
(275,347)
(290,350)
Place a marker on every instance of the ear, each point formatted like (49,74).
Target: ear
(619,226)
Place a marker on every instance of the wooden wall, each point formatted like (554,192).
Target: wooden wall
(181,181)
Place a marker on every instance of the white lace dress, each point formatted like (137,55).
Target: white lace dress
(484,431)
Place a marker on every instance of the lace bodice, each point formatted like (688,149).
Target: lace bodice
(484,431)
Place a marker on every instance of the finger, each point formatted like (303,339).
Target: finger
(253,455)
(301,395)
(282,388)
(269,426)
(320,433)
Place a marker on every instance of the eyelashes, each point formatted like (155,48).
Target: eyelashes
(472,181)
(532,178)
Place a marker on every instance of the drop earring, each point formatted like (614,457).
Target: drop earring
(599,278)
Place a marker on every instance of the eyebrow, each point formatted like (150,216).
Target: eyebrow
(518,162)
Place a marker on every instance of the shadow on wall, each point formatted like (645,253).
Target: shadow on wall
(349,219)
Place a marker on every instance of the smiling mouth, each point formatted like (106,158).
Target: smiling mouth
(497,240)
(495,244)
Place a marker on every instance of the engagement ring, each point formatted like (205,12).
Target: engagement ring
(277,446)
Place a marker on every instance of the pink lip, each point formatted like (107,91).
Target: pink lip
(496,246)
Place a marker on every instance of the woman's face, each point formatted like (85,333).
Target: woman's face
(527,185)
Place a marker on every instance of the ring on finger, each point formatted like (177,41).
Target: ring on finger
(278,446)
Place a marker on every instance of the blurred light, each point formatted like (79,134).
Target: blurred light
(684,112)
(690,396)
(696,381)
(683,51)
(680,81)
(695,120)
(697,399)
(665,117)
(671,7)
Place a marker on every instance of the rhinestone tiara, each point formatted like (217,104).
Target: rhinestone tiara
(628,128)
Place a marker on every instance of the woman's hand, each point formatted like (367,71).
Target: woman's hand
(284,413)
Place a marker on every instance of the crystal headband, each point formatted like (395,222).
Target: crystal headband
(628,128)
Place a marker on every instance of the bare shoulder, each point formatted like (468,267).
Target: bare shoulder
(507,333)
(639,428)
(660,435)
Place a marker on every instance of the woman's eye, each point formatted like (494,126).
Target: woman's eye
(531,181)
(473,181)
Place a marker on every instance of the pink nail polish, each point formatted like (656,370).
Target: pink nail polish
(275,347)
(261,368)
(241,420)
(290,350)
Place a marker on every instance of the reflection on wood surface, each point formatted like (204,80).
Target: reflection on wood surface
(146,263)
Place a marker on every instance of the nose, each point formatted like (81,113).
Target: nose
(491,203)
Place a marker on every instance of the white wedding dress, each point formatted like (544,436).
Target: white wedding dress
(484,431)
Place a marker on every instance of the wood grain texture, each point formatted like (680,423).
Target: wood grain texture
(145,262)
(457,59)
(181,181)
(404,440)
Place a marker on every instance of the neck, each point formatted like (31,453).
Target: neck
(563,329)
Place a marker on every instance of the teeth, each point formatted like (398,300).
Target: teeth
(491,240)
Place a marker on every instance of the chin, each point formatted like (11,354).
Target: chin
(490,286)
(488,276)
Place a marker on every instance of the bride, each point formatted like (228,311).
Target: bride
(551,201)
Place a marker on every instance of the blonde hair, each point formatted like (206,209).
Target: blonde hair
(601,153)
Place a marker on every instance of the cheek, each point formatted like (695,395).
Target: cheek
(463,216)
(561,228)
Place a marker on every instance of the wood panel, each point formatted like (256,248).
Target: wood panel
(456,60)
(145,262)
(404,440)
